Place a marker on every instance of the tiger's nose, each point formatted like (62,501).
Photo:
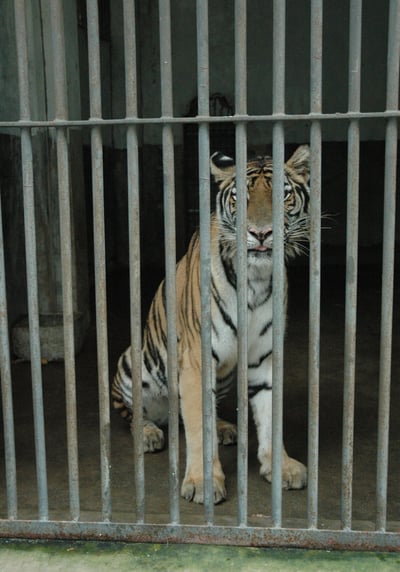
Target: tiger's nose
(260,234)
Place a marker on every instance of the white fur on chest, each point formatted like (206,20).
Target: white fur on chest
(259,313)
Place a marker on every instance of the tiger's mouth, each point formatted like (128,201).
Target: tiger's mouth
(260,250)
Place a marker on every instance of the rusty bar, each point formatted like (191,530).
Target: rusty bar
(31,259)
(353,159)
(61,107)
(170,534)
(315,262)
(241,230)
(134,253)
(278,281)
(6,390)
(389,221)
(99,255)
(208,375)
(170,254)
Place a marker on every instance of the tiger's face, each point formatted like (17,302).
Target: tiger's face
(295,196)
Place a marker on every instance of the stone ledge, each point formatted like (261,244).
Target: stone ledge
(51,333)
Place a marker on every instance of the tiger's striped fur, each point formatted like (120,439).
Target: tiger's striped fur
(224,322)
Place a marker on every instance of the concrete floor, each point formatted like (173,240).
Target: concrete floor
(88,556)
(295,426)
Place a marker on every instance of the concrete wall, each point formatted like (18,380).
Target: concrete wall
(41,86)
(259,89)
(259,58)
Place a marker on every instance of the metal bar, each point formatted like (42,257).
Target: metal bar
(238,118)
(208,379)
(241,286)
(353,160)
(68,317)
(278,279)
(315,263)
(170,254)
(6,390)
(99,255)
(60,90)
(134,254)
(31,260)
(389,221)
(239,536)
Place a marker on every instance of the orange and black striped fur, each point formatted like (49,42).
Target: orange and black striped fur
(295,196)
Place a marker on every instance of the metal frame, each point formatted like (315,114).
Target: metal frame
(242,534)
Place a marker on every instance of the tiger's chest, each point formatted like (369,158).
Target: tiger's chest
(225,320)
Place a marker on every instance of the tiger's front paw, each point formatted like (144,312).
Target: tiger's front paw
(153,437)
(294,473)
(193,489)
(227,432)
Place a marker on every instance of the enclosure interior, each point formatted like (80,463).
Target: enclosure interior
(222,135)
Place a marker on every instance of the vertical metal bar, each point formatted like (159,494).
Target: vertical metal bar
(353,159)
(389,220)
(99,255)
(31,259)
(61,106)
(134,254)
(278,280)
(170,254)
(208,397)
(315,262)
(241,230)
(6,390)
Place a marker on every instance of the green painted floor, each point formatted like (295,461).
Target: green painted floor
(86,556)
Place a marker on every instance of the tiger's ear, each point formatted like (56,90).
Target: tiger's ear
(222,167)
(300,162)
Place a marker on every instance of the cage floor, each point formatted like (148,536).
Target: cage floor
(295,422)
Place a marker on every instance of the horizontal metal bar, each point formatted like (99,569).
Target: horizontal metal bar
(203,534)
(237,118)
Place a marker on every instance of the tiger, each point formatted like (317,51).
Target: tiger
(224,329)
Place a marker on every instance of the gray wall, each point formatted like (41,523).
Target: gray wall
(259,89)
(41,87)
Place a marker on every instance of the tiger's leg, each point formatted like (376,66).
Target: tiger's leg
(155,413)
(154,403)
(294,473)
(226,431)
(191,398)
